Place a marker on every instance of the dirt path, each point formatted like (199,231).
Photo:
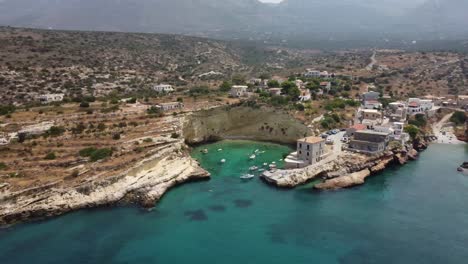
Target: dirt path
(445,135)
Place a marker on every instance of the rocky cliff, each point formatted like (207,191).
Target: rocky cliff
(144,183)
(346,170)
(241,122)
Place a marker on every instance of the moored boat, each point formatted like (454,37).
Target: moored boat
(247,176)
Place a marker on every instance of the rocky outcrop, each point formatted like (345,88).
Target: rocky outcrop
(352,179)
(242,122)
(348,169)
(144,183)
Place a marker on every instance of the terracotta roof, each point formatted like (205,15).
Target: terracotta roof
(359,127)
(413,104)
(312,140)
(324,83)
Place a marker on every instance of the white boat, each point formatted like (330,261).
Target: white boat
(256,151)
(247,176)
(265,164)
(223,161)
(260,170)
(205,151)
(253,168)
(273,162)
(272,166)
(220,149)
(253,157)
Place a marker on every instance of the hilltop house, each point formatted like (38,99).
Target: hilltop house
(238,91)
(310,150)
(369,142)
(312,73)
(163,88)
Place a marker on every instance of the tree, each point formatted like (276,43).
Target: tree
(273,84)
(458,118)
(412,131)
(225,86)
(288,87)
(238,79)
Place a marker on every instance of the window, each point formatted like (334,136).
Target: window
(308,154)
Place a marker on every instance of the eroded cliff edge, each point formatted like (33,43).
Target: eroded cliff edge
(144,182)
(242,122)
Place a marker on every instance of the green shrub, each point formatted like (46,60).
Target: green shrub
(3,166)
(55,131)
(412,131)
(7,109)
(96,154)
(84,104)
(116,136)
(175,135)
(458,118)
(148,140)
(50,156)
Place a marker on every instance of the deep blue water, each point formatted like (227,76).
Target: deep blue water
(412,214)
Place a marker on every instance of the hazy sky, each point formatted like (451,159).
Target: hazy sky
(270,1)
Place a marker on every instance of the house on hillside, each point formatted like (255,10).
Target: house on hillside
(312,73)
(325,86)
(275,91)
(309,151)
(417,106)
(305,95)
(50,98)
(163,88)
(370,100)
(238,91)
(172,106)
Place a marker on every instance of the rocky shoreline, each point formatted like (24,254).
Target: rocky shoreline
(347,170)
(144,183)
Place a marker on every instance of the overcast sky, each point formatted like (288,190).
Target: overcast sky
(270,1)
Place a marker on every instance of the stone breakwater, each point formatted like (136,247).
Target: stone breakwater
(348,169)
(144,183)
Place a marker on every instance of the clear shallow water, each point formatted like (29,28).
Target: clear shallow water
(412,214)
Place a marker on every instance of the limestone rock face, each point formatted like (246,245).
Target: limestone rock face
(349,180)
(240,122)
(413,154)
(145,183)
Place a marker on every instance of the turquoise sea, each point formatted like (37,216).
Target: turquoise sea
(417,213)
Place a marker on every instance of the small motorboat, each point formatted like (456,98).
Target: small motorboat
(253,157)
(256,151)
(220,149)
(272,166)
(247,176)
(253,168)
(223,161)
(265,164)
(261,170)
(463,167)
(205,151)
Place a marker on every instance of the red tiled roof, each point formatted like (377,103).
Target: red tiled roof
(359,127)
(413,104)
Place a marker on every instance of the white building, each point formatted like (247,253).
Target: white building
(312,73)
(49,98)
(163,88)
(170,106)
(416,105)
(275,91)
(310,150)
(239,91)
(305,95)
